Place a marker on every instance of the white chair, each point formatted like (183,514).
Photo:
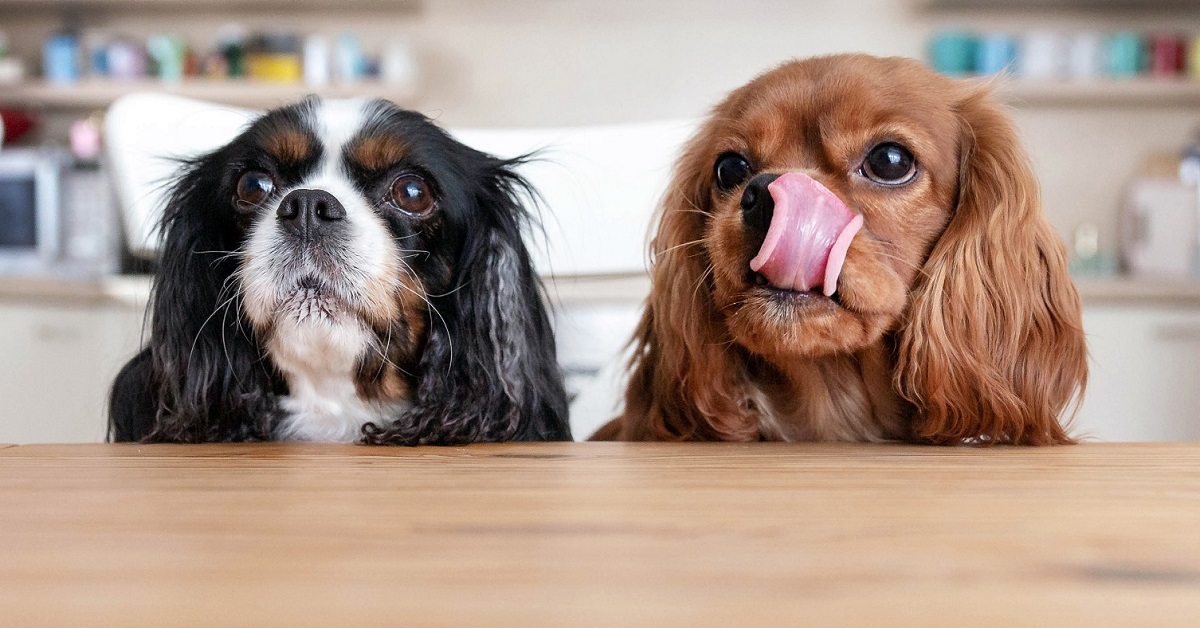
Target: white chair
(145,135)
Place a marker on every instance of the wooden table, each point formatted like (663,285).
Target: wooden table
(599,534)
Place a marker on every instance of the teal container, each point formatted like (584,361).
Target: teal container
(1125,54)
(953,52)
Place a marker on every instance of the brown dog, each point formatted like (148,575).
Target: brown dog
(853,249)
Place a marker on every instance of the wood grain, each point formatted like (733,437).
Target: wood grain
(600,534)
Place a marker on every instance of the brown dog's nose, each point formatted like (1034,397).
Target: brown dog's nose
(304,212)
(757,204)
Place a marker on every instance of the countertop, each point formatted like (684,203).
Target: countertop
(134,290)
(600,534)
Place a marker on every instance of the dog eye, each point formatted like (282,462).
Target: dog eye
(253,188)
(889,164)
(731,170)
(410,194)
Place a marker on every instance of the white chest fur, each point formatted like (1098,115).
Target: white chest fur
(319,359)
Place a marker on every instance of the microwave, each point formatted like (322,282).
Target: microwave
(56,216)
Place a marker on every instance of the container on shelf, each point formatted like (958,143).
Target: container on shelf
(1085,56)
(60,59)
(1043,56)
(995,53)
(953,52)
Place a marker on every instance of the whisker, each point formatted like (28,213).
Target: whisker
(703,277)
(679,246)
(917,267)
(692,210)
(224,255)
(225,343)
(414,252)
(446,294)
(432,310)
(383,355)
(200,331)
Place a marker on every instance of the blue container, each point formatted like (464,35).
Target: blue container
(60,59)
(953,52)
(98,61)
(995,53)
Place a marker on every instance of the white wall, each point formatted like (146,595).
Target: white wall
(566,62)
(578,61)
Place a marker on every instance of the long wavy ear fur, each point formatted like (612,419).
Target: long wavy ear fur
(683,384)
(489,371)
(993,349)
(201,377)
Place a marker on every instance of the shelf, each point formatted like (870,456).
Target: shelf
(1126,6)
(122,290)
(255,94)
(105,6)
(134,290)
(1102,93)
(1139,291)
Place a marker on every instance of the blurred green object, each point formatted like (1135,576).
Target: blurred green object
(1102,265)
(235,59)
(1086,257)
(231,44)
(168,53)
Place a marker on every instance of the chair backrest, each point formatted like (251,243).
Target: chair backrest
(599,185)
(145,134)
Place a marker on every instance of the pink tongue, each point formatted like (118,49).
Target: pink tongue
(809,235)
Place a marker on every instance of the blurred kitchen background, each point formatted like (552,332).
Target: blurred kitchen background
(1106,92)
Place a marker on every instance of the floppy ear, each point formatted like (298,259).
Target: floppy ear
(993,349)
(201,378)
(685,384)
(489,371)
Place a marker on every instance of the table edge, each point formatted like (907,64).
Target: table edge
(178,450)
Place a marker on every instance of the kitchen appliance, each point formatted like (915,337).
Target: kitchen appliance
(56,216)
(1159,230)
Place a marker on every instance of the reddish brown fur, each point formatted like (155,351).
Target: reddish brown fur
(378,151)
(400,330)
(289,145)
(381,380)
(398,312)
(958,322)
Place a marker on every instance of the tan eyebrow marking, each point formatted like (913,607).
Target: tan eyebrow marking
(289,145)
(377,152)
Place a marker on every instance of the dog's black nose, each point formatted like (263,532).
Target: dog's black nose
(304,212)
(757,204)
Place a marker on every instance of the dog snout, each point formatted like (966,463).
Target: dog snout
(305,212)
(757,205)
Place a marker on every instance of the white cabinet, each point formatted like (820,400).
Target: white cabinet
(56,363)
(1144,381)
(591,348)
(58,357)
(1145,373)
